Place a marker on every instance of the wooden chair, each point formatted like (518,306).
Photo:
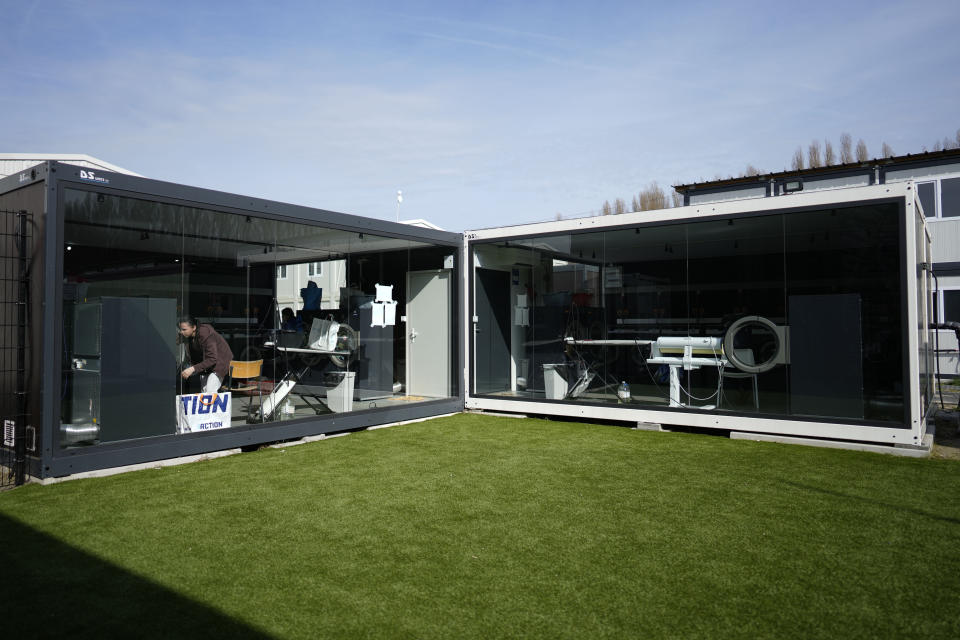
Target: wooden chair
(245,371)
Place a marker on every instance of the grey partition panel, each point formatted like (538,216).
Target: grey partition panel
(826,356)
(86,330)
(492,331)
(138,368)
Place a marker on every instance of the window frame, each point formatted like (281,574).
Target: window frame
(936,180)
(940,179)
(941,302)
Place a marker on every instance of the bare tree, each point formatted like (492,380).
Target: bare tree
(887,151)
(652,197)
(862,154)
(619,206)
(948,143)
(634,204)
(938,146)
(813,155)
(846,148)
(677,198)
(606,210)
(958,137)
(796,163)
(751,171)
(559,216)
(829,157)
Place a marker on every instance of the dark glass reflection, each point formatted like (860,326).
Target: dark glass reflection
(927,192)
(949,198)
(319,320)
(951,305)
(794,314)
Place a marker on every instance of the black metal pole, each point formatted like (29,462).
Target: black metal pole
(20,428)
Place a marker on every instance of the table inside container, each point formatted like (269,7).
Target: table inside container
(322,352)
(302,392)
(674,363)
(687,363)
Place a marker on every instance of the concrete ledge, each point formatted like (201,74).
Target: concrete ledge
(499,414)
(908,451)
(171,462)
(397,424)
(306,439)
(327,436)
(649,426)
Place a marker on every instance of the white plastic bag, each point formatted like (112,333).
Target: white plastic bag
(323,334)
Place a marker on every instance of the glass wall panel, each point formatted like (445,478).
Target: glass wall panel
(646,288)
(571,291)
(568,310)
(794,314)
(183,319)
(228,312)
(550,316)
(311,345)
(123,290)
(844,307)
(365,322)
(503,327)
(736,271)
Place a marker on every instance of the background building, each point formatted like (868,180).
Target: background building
(937,176)
(11,163)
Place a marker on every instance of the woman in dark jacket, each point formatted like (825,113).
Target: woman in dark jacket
(208,352)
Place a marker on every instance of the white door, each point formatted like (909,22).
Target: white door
(428,329)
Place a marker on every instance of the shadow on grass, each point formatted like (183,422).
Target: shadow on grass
(879,503)
(49,589)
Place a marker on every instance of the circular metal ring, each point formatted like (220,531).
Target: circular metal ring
(731,353)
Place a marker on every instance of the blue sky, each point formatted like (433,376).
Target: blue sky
(482,113)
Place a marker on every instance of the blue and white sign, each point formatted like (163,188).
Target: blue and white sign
(203,412)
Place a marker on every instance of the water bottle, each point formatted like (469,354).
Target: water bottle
(288,408)
(623,393)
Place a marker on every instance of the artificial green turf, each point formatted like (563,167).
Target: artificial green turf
(479,526)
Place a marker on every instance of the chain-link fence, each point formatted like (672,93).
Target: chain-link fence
(15,243)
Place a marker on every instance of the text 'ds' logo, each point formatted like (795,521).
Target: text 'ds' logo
(92,176)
